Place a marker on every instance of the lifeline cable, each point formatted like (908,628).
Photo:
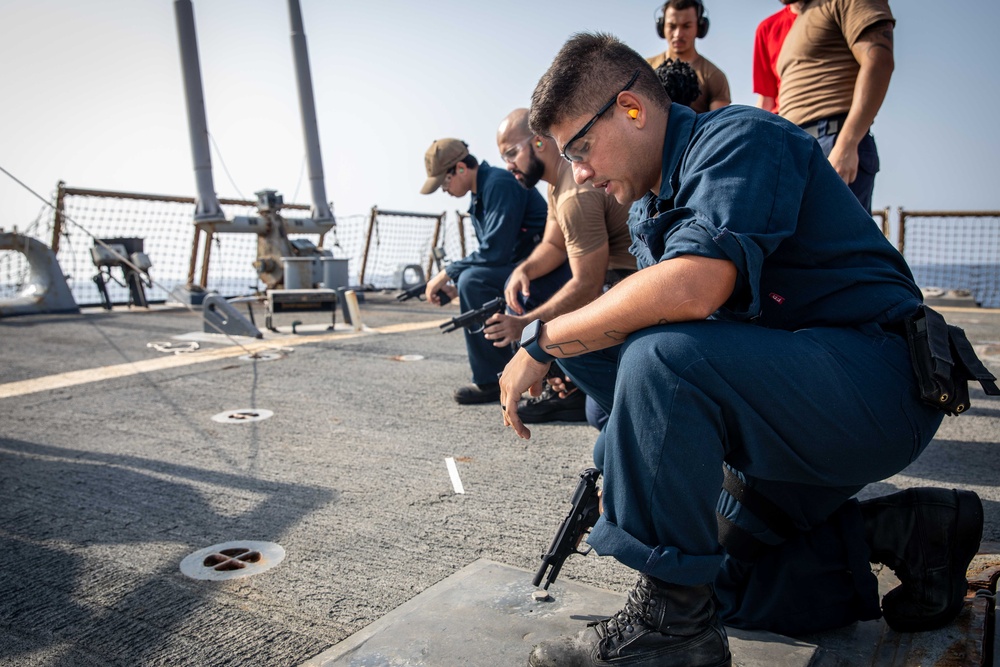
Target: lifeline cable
(124,260)
(253,388)
(224,167)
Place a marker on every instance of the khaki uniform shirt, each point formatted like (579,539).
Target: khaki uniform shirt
(712,81)
(589,218)
(816,66)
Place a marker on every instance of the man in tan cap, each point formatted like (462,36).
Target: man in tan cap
(586,229)
(508,221)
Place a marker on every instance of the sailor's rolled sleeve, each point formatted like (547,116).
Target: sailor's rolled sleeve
(737,209)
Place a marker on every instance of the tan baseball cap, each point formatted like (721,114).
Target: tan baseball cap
(440,157)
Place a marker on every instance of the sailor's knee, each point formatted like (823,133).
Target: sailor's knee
(657,348)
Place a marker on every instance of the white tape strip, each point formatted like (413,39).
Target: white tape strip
(453,473)
(73,378)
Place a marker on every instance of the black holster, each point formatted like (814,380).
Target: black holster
(944,362)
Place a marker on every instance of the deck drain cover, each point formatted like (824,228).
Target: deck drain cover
(232,560)
(408,357)
(262,356)
(242,416)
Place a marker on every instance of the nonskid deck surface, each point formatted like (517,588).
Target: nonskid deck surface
(110,478)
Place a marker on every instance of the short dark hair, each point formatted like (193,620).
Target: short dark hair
(678,5)
(679,80)
(588,69)
(470,161)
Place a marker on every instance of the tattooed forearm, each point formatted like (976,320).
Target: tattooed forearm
(620,336)
(569,348)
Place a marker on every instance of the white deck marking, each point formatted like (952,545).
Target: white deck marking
(456,481)
(73,378)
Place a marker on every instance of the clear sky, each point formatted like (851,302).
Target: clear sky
(91,93)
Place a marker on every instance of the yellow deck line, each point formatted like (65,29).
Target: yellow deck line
(73,378)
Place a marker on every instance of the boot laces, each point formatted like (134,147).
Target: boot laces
(546,395)
(636,613)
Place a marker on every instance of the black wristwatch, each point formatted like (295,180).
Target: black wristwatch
(530,344)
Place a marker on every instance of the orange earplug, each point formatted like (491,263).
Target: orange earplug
(633,113)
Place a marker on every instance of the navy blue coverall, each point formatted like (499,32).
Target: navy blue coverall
(508,220)
(800,383)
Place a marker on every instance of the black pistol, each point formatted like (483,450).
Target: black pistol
(475,320)
(582,516)
(417,291)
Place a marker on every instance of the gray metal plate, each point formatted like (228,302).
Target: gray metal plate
(484,616)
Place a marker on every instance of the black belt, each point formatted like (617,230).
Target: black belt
(833,125)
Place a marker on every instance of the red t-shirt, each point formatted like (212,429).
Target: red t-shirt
(766,47)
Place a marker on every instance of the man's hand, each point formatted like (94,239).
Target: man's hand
(439,282)
(518,285)
(561,386)
(505,329)
(874,52)
(844,158)
(522,374)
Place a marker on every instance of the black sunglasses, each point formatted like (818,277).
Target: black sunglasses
(586,128)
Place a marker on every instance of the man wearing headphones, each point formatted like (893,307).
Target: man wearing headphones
(835,66)
(508,221)
(585,227)
(680,22)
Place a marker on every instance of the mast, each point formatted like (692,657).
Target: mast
(207,208)
(307,106)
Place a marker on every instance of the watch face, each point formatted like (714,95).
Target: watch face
(531,332)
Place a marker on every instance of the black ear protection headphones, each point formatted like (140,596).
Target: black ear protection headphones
(702,19)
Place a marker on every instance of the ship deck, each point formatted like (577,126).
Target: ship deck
(117,463)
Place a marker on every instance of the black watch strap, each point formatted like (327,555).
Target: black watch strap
(537,353)
(529,342)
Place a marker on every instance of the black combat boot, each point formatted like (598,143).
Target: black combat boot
(927,536)
(550,407)
(662,625)
(478,393)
